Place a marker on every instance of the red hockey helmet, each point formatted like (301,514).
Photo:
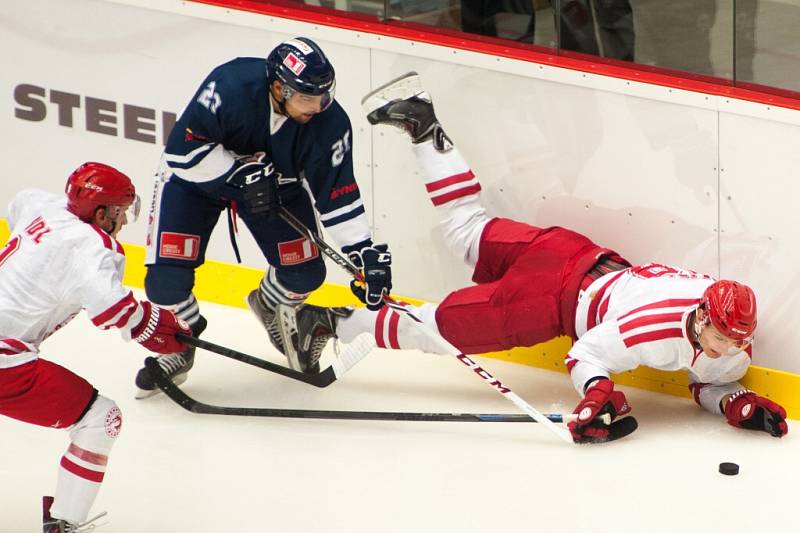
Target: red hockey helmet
(731,307)
(94,185)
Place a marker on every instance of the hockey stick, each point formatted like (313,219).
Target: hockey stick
(190,404)
(364,344)
(447,348)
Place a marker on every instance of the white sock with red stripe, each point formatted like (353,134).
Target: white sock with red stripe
(83,466)
(455,192)
(391,329)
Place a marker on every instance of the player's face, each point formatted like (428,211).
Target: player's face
(116,216)
(715,344)
(302,107)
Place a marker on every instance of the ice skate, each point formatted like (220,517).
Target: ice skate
(57,525)
(267,317)
(313,327)
(176,366)
(403,103)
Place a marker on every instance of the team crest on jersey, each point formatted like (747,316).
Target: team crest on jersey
(298,251)
(179,246)
(113,422)
(294,63)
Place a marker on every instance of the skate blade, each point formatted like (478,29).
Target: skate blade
(405,86)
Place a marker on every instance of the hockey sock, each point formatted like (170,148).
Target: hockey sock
(83,465)
(188,310)
(455,192)
(273,293)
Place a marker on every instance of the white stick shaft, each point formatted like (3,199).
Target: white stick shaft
(490,380)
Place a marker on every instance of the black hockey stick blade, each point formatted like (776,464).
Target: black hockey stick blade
(354,352)
(190,404)
(622,428)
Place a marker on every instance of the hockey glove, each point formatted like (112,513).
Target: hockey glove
(601,398)
(157,330)
(745,409)
(376,264)
(258,181)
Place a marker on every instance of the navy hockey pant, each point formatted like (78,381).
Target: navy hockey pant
(182,219)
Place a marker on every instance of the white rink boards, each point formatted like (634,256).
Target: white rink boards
(662,174)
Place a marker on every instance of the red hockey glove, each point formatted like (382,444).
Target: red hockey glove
(601,398)
(745,409)
(157,330)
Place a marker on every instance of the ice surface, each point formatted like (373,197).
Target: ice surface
(176,471)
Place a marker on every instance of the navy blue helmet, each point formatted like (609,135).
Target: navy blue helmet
(301,64)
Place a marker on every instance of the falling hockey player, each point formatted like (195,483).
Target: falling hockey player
(534,284)
(63,257)
(257,135)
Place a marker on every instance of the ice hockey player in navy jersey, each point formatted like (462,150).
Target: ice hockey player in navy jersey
(259,135)
(63,257)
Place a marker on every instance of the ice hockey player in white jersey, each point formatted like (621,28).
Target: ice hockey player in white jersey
(534,284)
(63,257)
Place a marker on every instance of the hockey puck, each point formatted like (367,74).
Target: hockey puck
(729,469)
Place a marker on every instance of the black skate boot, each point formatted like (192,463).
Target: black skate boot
(403,103)
(267,317)
(56,525)
(175,366)
(309,329)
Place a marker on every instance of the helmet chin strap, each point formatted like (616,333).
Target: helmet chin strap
(286,93)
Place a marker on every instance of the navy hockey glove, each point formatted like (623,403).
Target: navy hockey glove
(258,181)
(745,409)
(376,264)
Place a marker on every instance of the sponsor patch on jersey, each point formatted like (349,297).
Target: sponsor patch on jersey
(179,246)
(294,63)
(295,252)
(300,45)
(341,191)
